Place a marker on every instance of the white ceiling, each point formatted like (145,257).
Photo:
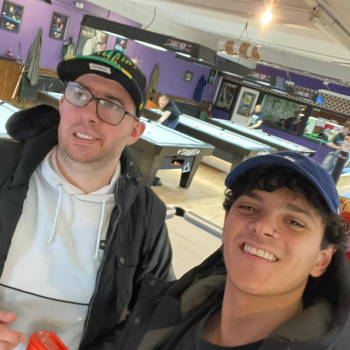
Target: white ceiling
(289,40)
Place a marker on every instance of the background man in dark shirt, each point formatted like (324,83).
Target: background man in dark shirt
(171,115)
(336,144)
(256,118)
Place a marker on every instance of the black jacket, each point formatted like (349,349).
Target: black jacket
(137,240)
(167,310)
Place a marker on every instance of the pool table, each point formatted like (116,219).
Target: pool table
(259,135)
(229,146)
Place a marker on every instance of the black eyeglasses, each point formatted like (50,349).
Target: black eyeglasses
(107,111)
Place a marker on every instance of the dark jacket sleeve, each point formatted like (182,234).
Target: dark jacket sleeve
(157,252)
(160,257)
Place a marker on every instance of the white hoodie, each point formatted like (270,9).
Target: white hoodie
(50,272)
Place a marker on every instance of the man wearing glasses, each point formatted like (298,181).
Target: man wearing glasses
(78,229)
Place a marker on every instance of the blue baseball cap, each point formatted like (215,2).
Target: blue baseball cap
(317,175)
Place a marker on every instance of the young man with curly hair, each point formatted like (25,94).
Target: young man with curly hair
(280,280)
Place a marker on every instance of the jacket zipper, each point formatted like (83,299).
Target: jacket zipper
(104,260)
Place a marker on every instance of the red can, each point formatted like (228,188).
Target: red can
(45,341)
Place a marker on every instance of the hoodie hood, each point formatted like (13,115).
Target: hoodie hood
(40,124)
(25,124)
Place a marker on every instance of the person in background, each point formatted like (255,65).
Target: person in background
(293,121)
(336,144)
(79,231)
(256,118)
(171,113)
(280,280)
(170,118)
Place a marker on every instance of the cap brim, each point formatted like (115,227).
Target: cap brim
(282,161)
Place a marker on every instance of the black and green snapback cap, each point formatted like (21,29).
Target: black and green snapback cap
(110,64)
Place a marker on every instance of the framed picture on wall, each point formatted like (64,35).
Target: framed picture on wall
(90,41)
(59,26)
(245,103)
(225,96)
(121,44)
(11,16)
(188,76)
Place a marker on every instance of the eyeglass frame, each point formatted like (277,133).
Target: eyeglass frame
(97,99)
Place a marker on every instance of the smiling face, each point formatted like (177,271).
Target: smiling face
(84,138)
(286,231)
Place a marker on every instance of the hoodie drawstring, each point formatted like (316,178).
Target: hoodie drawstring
(59,187)
(100,229)
(97,247)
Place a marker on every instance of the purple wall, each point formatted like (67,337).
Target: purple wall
(218,113)
(38,14)
(172,71)
(300,80)
(321,150)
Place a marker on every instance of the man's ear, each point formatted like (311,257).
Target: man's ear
(136,132)
(325,258)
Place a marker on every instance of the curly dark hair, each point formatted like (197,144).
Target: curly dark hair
(270,178)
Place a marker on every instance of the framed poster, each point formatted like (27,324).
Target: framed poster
(59,26)
(246,102)
(226,95)
(212,76)
(121,44)
(90,41)
(11,16)
(188,76)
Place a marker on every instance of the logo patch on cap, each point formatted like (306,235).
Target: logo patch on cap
(103,69)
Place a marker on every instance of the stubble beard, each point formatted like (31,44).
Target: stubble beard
(93,162)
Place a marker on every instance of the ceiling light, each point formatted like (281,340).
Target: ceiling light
(262,82)
(266,18)
(150,45)
(117,35)
(235,75)
(280,92)
(183,54)
(249,82)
